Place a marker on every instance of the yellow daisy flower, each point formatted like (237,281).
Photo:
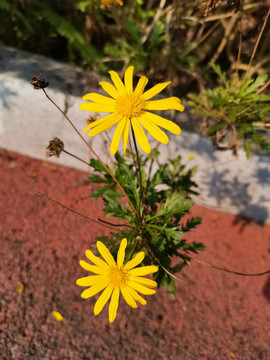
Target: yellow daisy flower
(114,277)
(131,106)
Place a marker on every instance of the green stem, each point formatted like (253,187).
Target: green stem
(76,157)
(96,220)
(139,168)
(92,150)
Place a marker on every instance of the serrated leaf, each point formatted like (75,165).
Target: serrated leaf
(219,72)
(96,164)
(174,205)
(191,223)
(260,81)
(133,31)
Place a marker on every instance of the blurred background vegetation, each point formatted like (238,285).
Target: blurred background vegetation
(216,52)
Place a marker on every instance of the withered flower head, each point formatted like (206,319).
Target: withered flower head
(55,147)
(39,83)
(90,119)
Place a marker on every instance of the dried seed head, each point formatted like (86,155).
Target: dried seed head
(39,83)
(91,118)
(55,147)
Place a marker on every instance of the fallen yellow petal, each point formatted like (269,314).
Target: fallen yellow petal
(20,287)
(57,316)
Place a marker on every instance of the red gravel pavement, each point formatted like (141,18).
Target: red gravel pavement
(216,316)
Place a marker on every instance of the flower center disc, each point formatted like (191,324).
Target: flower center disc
(118,277)
(130,105)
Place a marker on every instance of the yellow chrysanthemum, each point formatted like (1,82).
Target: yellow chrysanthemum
(115,277)
(131,106)
(109,3)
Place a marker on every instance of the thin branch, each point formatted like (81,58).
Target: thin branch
(228,32)
(240,45)
(92,150)
(76,157)
(97,220)
(256,44)
(230,271)
(231,13)
(196,44)
(166,271)
(155,19)
(263,87)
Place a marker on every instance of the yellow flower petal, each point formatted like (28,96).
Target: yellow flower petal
(141,85)
(164,104)
(20,287)
(164,123)
(140,288)
(90,280)
(125,136)
(143,281)
(93,268)
(99,99)
(109,88)
(155,90)
(135,261)
(128,298)
(117,135)
(129,79)
(57,315)
(154,130)
(140,135)
(96,260)
(94,107)
(117,82)
(136,296)
(114,305)
(144,270)
(107,123)
(89,126)
(104,252)
(104,119)
(121,252)
(102,300)
(93,290)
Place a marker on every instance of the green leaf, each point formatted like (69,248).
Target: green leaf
(96,164)
(219,72)
(247,148)
(133,31)
(260,81)
(176,204)
(67,30)
(191,223)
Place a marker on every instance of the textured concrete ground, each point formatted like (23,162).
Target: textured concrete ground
(217,316)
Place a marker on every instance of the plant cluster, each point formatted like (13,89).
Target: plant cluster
(236,107)
(149,200)
(161,200)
